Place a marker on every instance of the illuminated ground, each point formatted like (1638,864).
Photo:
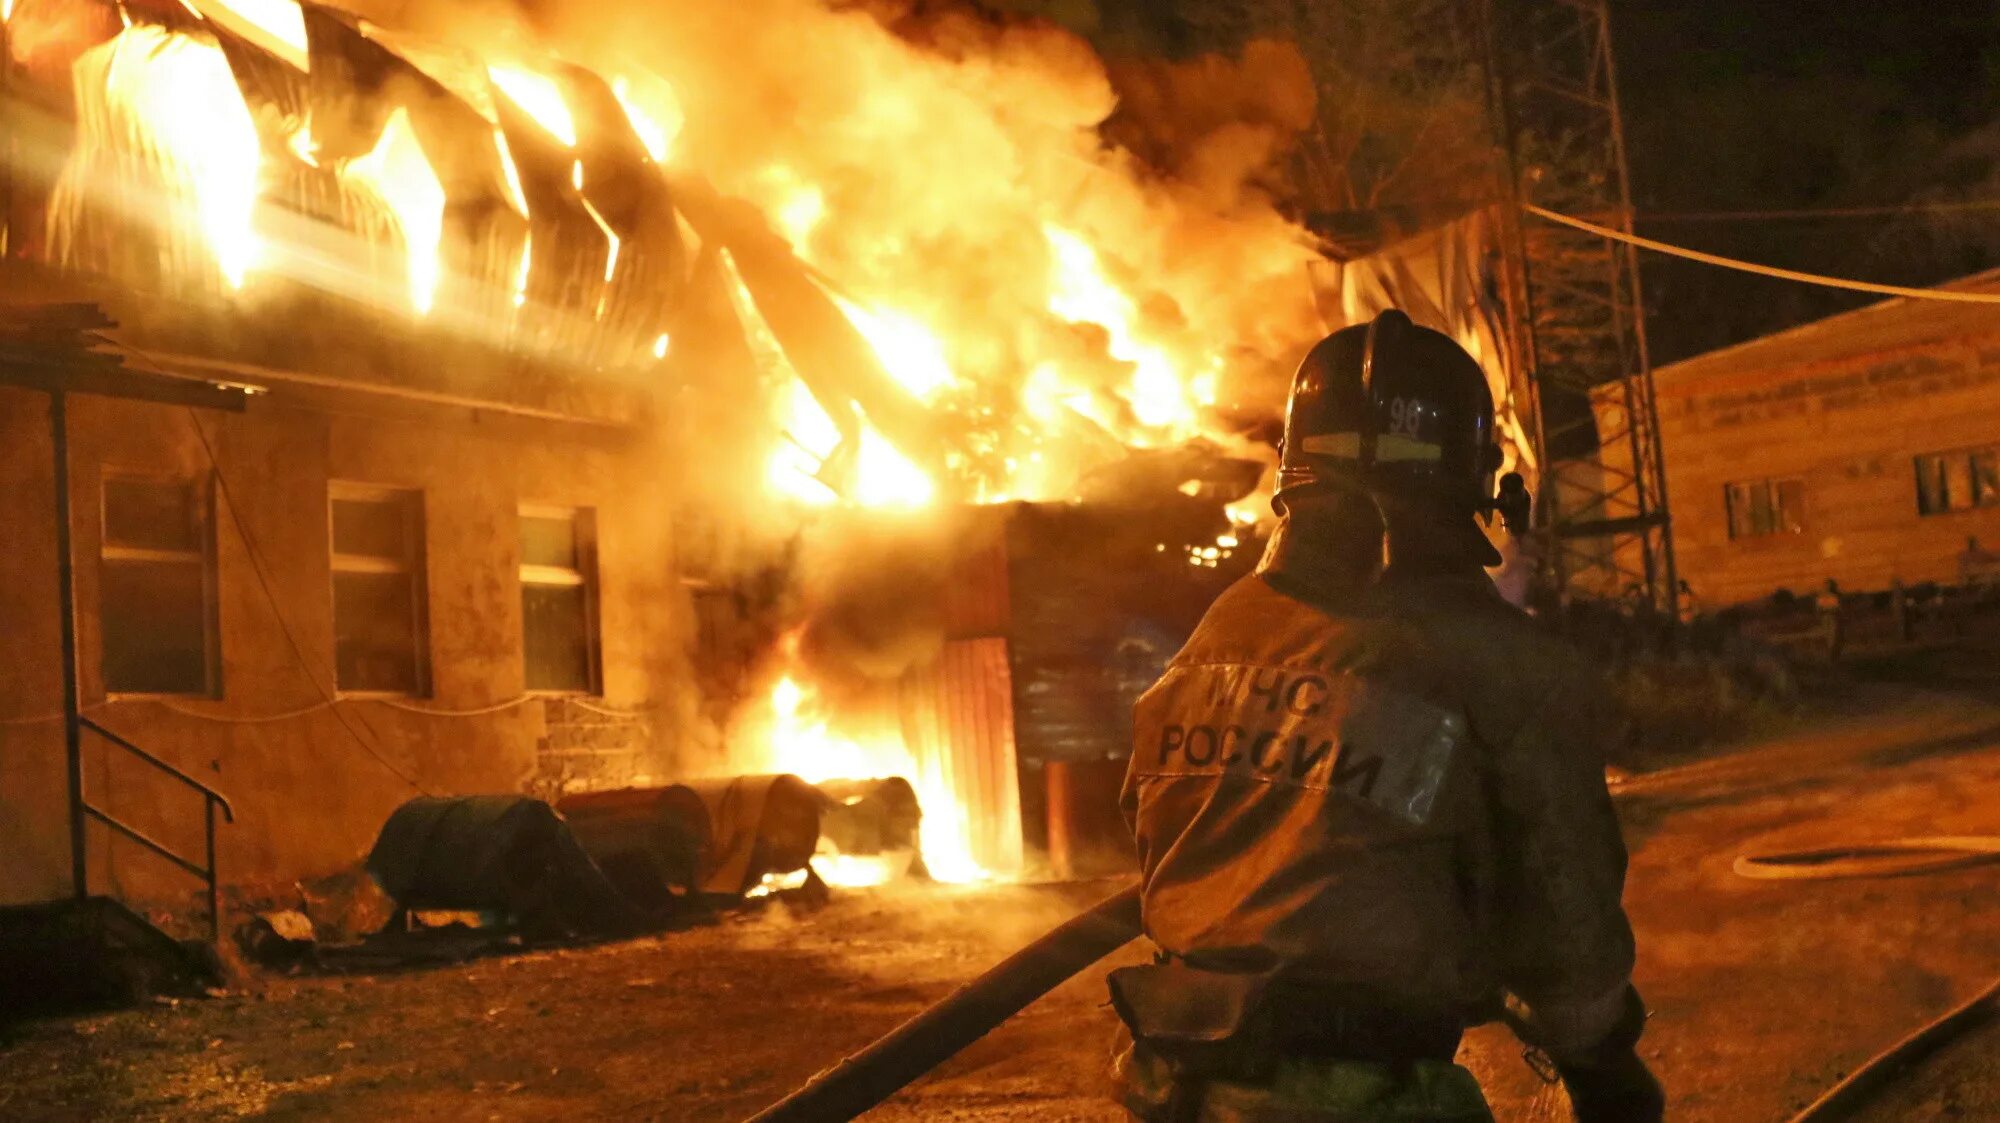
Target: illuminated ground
(1765,992)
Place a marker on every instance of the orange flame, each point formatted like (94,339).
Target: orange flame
(181,93)
(539,97)
(910,351)
(1081,293)
(802,742)
(654,112)
(397,172)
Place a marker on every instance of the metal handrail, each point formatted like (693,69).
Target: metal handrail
(211,799)
(228,812)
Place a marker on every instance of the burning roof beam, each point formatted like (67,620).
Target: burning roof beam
(833,358)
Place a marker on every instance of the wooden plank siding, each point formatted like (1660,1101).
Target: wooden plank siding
(1845,405)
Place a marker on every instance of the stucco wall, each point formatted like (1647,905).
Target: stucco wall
(309,789)
(1850,427)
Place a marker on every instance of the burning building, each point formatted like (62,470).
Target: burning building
(635,399)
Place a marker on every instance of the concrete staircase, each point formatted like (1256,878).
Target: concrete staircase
(92,953)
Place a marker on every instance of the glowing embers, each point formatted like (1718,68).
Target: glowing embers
(397,172)
(1080,292)
(540,98)
(170,142)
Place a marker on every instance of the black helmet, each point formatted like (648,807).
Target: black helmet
(1395,408)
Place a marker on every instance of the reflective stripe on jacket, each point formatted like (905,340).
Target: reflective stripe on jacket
(1407,797)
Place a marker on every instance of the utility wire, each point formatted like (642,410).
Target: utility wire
(256,557)
(1669,248)
(284,625)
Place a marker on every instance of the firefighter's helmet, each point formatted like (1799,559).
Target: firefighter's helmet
(1395,408)
(1390,403)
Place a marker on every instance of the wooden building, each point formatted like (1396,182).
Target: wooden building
(1863,448)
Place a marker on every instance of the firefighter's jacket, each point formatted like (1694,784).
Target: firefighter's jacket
(1406,796)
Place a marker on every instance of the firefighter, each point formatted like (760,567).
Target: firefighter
(1368,794)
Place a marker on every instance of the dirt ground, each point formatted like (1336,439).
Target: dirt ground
(1765,992)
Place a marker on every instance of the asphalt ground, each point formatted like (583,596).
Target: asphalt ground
(1764,993)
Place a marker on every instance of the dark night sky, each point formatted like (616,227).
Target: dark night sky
(1763,104)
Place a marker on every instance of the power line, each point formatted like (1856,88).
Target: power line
(1958,295)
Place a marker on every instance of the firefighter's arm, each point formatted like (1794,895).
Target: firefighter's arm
(1564,944)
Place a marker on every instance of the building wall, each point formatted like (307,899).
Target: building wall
(311,782)
(1850,428)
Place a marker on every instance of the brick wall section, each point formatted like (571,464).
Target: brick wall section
(586,747)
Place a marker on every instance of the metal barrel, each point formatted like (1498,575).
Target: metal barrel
(649,841)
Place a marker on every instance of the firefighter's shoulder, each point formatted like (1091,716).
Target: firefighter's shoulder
(1505,662)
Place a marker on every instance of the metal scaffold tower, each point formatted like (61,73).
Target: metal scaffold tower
(1579,324)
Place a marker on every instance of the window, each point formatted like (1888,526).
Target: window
(559,599)
(1766,507)
(380,632)
(156,577)
(1958,481)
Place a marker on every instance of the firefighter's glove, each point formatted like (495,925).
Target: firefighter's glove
(1609,1083)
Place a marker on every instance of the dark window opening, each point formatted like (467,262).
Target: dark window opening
(380,618)
(559,635)
(1761,508)
(1958,481)
(156,589)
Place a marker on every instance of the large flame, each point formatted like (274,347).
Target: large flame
(397,172)
(1080,292)
(911,352)
(802,741)
(1041,301)
(174,99)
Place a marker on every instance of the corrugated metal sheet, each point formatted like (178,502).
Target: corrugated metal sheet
(958,717)
(976,599)
(1098,607)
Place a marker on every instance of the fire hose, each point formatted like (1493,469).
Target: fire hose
(925,1041)
(1888,858)
(1861,1086)
(940,1031)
